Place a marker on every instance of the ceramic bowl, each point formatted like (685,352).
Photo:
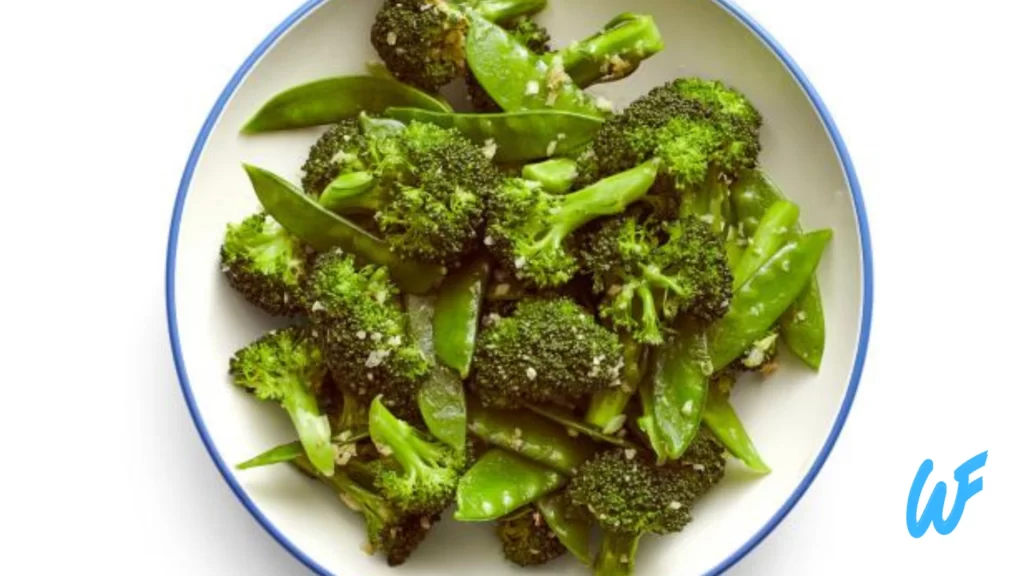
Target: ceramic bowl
(794,417)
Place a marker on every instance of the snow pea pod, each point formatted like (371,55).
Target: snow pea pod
(518,79)
(324,230)
(556,175)
(529,435)
(759,303)
(725,424)
(676,391)
(457,315)
(292,450)
(501,482)
(572,530)
(348,193)
(803,325)
(331,100)
(516,136)
(775,228)
(442,398)
(575,426)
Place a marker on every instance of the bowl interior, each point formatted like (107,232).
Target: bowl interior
(789,416)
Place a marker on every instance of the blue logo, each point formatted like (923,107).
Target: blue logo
(932,515)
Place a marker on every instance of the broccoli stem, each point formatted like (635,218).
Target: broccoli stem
(501,11)
(649,319)
(352,493)
(613,53)
(351,193)
(610,403)
(397,435)
(617,556)
(314,429)
(604,198)
(655,277)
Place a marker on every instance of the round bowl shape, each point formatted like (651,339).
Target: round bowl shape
(794,418)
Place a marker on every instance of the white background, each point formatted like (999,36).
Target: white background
(100,103)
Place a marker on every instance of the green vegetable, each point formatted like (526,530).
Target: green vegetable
(575,426)
(530,34)
(350,193)
(556,175)
(516,136)
(760,302)
(803,324)
(570,525)
(613,53)
(722,420)
(331,100)
(441,398)
(266,264)
(606,410)
(527,540)
(500,483)
(457,316)
(292,450)
(286,366)
(529,229)
(323,230)
(529,435)
(774,230)
(427,472)
(676,391)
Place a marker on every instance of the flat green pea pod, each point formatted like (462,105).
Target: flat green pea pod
(292,450)
(323,230)
(515,136)
(348,192)
(575,427)
(331,100)
(442,397)
(802,326)
(457,315)
(759,303)
(572,530)
(675,392)
(501,482)
(556,175)
(720,417)
(775,228)
(518,79)
(529,435)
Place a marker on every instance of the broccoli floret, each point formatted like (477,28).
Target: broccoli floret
(420,474)
(700,129)
(424,184)
(613,53)
(266,264)
(339,150)
(286,366)
(650,271)
(528,229)
(761,356)
(363,330)
(527,540)
(533,36)
(388,530)
(550,351)
(629,495)
(423,43)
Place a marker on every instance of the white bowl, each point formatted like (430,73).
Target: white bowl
(794,418)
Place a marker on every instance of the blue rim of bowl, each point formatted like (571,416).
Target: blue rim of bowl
(866,311)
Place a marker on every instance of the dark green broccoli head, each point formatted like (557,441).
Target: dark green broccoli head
(762,354)
(735,115)
(651,270)
(421,42)
(527,540)
(419,474)
(524,29)
(363,331)
(402,539)
(627,492)
(339,150)
(266,264)
(551,350)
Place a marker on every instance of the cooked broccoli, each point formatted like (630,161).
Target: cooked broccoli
(700,129)
(424,184)
(650,271)
(358,321)
(265,263)
(395,534)
(531,35)
(613,53)
(527,540)
(528,229)
(761,356)
(420,474)
(629,495)
(286,366)
(551,350)
(423,42)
